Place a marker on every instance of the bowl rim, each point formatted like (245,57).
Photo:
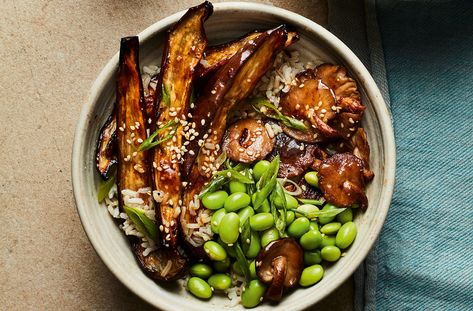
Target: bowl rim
(331,41)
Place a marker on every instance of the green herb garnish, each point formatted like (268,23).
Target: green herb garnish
(279,210)
(223,177)
(142,222)
(216,183)
(312,201)
(242,262)
(315,214)
(150,143)
(266,183)
(235,175)
(245,235)
(104,187)
(165,96)
(294,123)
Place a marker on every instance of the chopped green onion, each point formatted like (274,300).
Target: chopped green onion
(149,143)
(165,96)
(241,259)
(212,186)
(266,183)
(104,188)
(245,235)
(294,123)
(312,201)
(235,175)
(279,210)
(142,222)
(315,214)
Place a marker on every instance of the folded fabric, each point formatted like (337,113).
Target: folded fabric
(424,252)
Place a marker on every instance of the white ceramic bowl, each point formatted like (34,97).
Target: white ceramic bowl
(231,20)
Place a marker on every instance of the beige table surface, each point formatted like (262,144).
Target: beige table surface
(50,53)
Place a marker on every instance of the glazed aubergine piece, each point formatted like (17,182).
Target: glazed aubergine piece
(341,180)
(255,66)
(133,168)
(184,48)
(106,155)
(217,56)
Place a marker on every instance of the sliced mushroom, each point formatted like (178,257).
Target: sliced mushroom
(346,123)
(311,100)
(310,135)
(247,141)
(279,265)
(309,192)
(344,87)
(296,157)
(341,180)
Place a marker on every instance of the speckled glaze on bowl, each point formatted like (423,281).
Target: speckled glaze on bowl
(229,21)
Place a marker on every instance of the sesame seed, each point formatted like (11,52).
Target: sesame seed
(161,228)
(202,121)
(323,110)
(132,127)
(351,121)
(128,141)
(134,154)
(213,91)
(121,129)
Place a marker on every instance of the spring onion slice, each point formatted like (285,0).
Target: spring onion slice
(262,105)
(142,222)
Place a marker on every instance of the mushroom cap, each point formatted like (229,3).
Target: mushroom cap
(247,141)
(279,265)
(296,157)
(341,180)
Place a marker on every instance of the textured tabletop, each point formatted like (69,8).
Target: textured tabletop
(50,53)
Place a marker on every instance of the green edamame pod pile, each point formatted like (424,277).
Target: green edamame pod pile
(255,222)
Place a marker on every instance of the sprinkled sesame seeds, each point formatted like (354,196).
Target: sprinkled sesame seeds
(121,129)
(139,140)
(213,91)
(138,168)
(132,127)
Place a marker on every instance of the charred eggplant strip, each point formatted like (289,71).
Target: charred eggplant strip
(244,83)
(211,99)
(106,150)
(133,168)
(184,49)
(219,55)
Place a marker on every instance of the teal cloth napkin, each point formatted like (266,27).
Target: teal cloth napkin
(425,250)
(423,259)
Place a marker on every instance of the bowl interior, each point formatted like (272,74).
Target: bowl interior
(229,21)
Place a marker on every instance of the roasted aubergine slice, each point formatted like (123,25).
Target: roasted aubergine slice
(257,63)
(218,55)
(133,168)
(106,155)
(184,48)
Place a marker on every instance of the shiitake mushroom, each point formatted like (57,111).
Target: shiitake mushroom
(279,265)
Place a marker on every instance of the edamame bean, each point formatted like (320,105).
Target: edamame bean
(237,201)
(345,216)
(253,270)
(261,221)
(236,186)
(201,270)
(259,169)
(346,235)
(245,213)
(291,202)
(199,288)
(255,245)
(298,227)
(327,240)
(220,281)
(253,294)
(330,253)
(314,226)
(331,228)
(268,236)
(216,219)
(311,275)
(306,209)
(312,179)
(312,257)
(290,215)
(229,228)
(311,240)
(215,251)
(214,200)
(222,266)
(325,219)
